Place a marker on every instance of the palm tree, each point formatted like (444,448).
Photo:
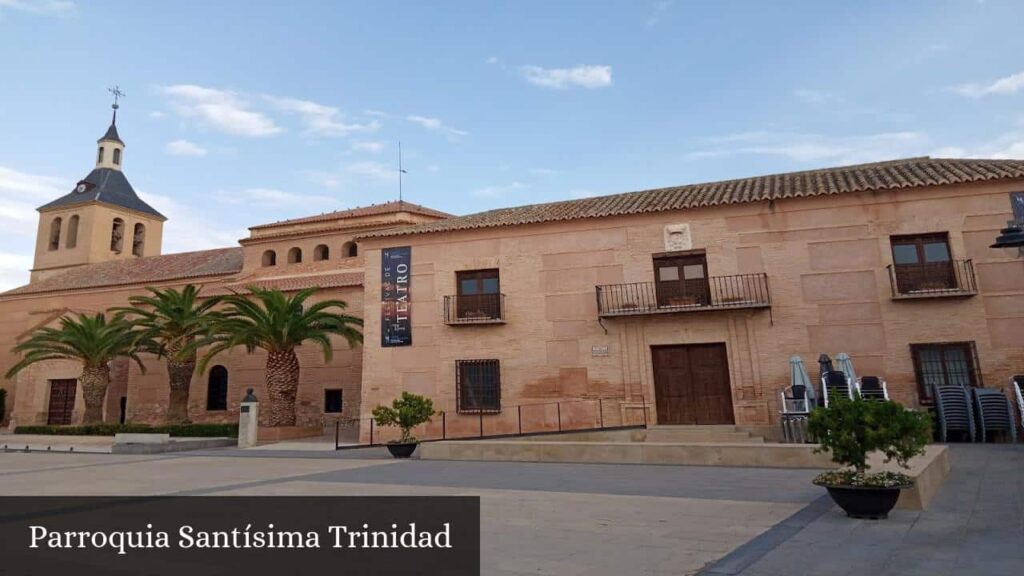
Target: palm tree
(91,340)
(277,323)
(173,320)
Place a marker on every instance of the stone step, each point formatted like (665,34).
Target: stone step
(689,434)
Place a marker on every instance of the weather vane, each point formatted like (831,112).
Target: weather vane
(116,91)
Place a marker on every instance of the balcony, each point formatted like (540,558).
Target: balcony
(717,293)
(949,279)
(474,309)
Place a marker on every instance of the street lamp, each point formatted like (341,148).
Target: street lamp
(1012,236)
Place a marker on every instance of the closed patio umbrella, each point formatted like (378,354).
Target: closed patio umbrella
(824,365)
(798,376)
(846,366)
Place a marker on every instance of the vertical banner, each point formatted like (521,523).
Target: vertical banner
(395,276)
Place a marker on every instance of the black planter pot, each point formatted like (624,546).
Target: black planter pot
(402,450)
(866,502)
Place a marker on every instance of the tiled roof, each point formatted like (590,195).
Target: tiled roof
(129,271)
(326,229)
(371,210)
(293,283)
(892,175)
(105,185)
(111,134)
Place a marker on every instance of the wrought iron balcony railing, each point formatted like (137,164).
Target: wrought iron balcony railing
(714,293)
(471,309)
(953,278)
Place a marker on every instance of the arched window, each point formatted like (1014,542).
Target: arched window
(139,239)
(295,255)
(349,250)
(72,235)
(55,233)
(117,156)
(269,258)
(117,236)
(217,389)
(321,252)
(99,156)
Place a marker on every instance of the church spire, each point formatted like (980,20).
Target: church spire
(110,147)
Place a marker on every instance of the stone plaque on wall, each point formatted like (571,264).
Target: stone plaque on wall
(677,237)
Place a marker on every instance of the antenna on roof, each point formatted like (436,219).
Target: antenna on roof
(400,171)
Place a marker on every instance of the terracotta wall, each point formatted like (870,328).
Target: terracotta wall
(148,393)
(825,258)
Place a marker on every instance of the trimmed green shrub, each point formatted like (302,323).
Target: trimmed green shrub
(406,412)
(177,430)
(851,429)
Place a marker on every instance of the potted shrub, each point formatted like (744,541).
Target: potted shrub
(852,429)
(406,413)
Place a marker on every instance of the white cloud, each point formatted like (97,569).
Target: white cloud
(498,191)
(435,125)
(373,170)
(657,11)
(184,148)
(41,7)
(14,270)
(578,193)
(817,147)
(433,168)
(561,78)
(1006,85)
(543,171)
(948,152)
(320,119)
(20,194)
(372,147)
(273,198)
(156,114)
(190,229)
(492,60)
(816,96)
(221,110)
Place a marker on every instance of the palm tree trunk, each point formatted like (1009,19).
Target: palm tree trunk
(94,389)
(282,386)
(179,375)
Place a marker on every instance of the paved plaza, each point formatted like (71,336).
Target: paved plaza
(574,519)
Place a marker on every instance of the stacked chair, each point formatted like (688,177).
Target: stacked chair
(796,409)
(835,384)
(994,412)
(872,388)
(953,410)
(1017,384)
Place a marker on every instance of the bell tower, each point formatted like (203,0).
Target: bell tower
(101,219)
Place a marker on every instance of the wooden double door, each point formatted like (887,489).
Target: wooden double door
(62,401)
(691,384)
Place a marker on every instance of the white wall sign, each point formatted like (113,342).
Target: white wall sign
(677,237)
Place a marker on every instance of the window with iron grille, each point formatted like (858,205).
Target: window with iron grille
(478,386)
(944,363)
(332,401)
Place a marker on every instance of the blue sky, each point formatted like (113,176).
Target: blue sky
(240,113)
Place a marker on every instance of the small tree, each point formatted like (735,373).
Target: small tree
(406,412)
(851,429)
